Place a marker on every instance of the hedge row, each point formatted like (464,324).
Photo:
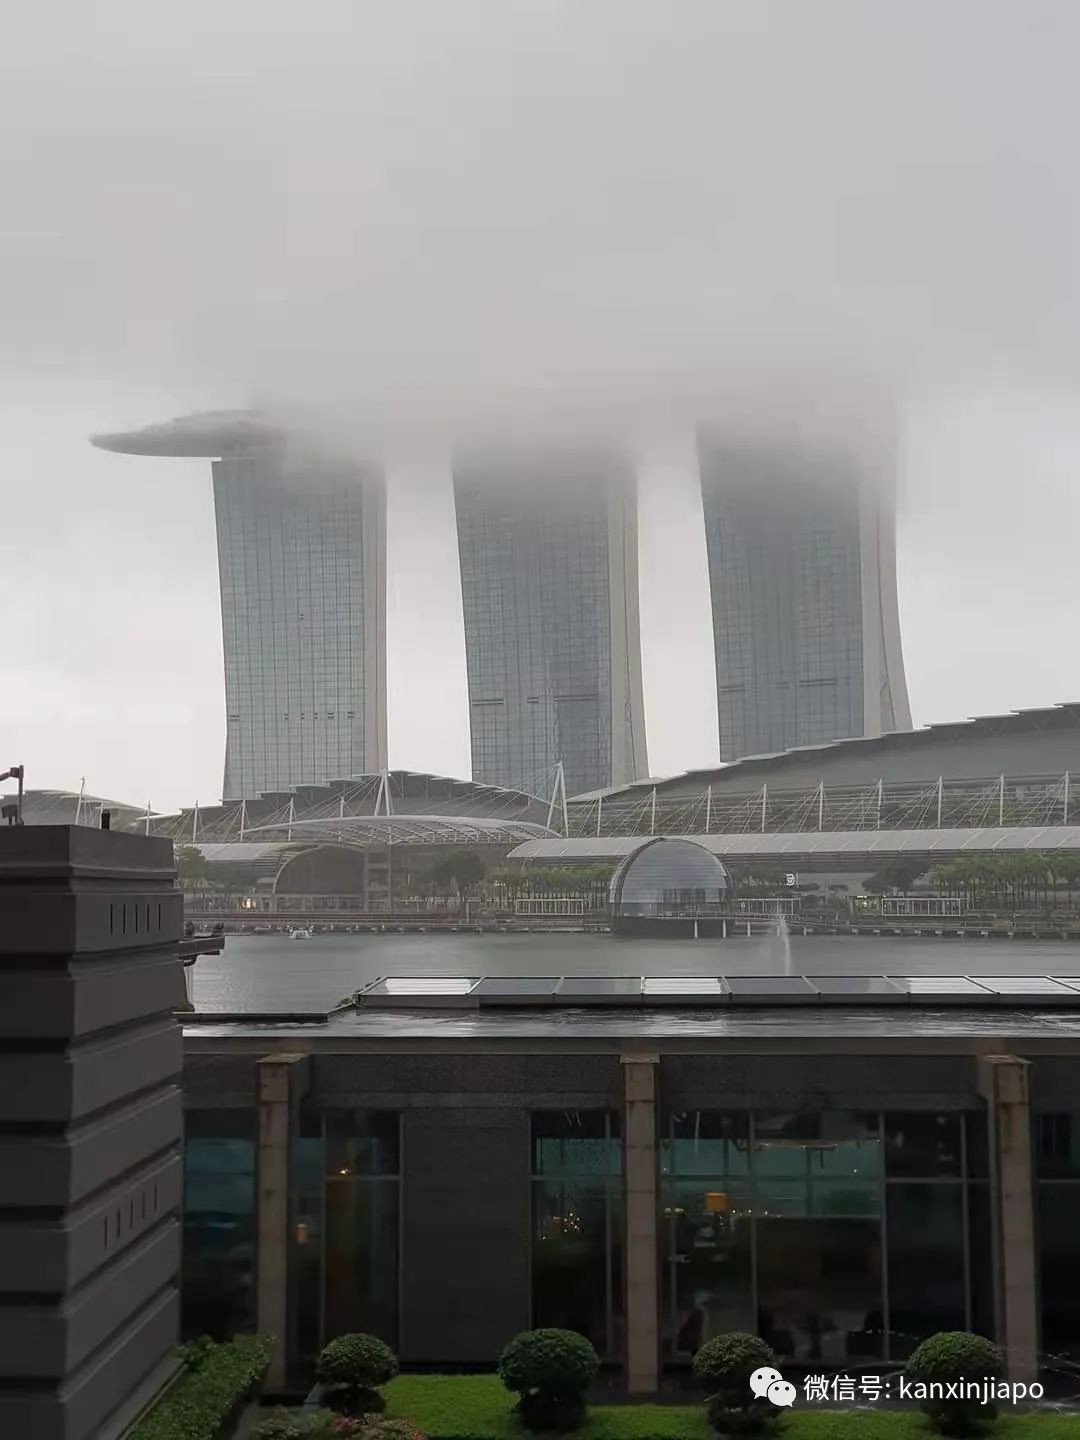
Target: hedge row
(220,1377)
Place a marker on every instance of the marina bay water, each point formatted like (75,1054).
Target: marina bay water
(274,973)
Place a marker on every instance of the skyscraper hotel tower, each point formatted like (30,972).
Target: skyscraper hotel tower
(548,550)
(302,563)
(802,572)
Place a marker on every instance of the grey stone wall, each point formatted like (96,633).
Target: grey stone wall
(818,1082)
(90,1183)
(537,1081)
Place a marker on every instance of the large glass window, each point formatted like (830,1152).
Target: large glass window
(819,1289)
(578,1225)
(926,1262)
(817,1179)
(307,1164)
(1057,1145)
(361,1200)
(840,1237)
(1057,1163)
(219,1222)
(922,1143)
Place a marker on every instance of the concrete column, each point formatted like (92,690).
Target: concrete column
(277,1087)
(1003,1083)
(642,1258)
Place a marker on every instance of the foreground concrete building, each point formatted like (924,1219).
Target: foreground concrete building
(302,564)
(90,1128)
(802,572)
(549,580)
(841,1166)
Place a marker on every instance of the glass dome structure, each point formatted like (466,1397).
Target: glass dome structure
(667,880)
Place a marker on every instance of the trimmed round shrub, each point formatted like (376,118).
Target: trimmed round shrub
(351,1368)
(956,1357)
(550,1371)
(724,1366)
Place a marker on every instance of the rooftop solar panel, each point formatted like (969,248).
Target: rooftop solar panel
(790,989)
(684,990)
(841,988)
(1021,987)
(424,991)
(941,989)
(420,992)
(599,989)
(681,984)
(516,990)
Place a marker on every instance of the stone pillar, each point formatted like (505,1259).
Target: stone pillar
(1003,1083)
(278,1091)
(642,1254)
(90,1128)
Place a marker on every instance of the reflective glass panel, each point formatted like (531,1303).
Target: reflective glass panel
(1057,1145)
(577,1259)
(818,1144)
(819,1289)
(926,1262)
(361,1269)
(362,1142)
(706,1277)
(1059,1268)
(307,1164)
(922,1143)
(576,1142)
(707,1142)
(219,1222)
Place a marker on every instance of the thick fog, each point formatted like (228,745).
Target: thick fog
(422,220)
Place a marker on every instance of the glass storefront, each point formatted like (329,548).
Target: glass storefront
(839,1237)
(1057,1169)
(218,1288)
(344,1229)
(577,1225)
(361,1221)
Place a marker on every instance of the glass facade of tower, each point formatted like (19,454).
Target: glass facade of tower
(297,540)
(786,581)
(538,636)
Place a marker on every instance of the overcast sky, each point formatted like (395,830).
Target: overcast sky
(424,217)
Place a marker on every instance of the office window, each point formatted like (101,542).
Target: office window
(577,1216)
(840,1237)
(362,1208)
(1057,1166)
(218,1283)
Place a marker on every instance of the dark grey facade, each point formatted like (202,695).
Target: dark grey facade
(548,553)
(845,1195)
(801,556)
(90,1128)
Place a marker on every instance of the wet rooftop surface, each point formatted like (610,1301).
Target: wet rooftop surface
(566,1026)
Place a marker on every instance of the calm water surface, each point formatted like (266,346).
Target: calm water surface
(272,972)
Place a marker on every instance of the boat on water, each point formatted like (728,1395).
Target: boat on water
(300,933)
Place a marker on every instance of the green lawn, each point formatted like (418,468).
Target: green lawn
(476,1407)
